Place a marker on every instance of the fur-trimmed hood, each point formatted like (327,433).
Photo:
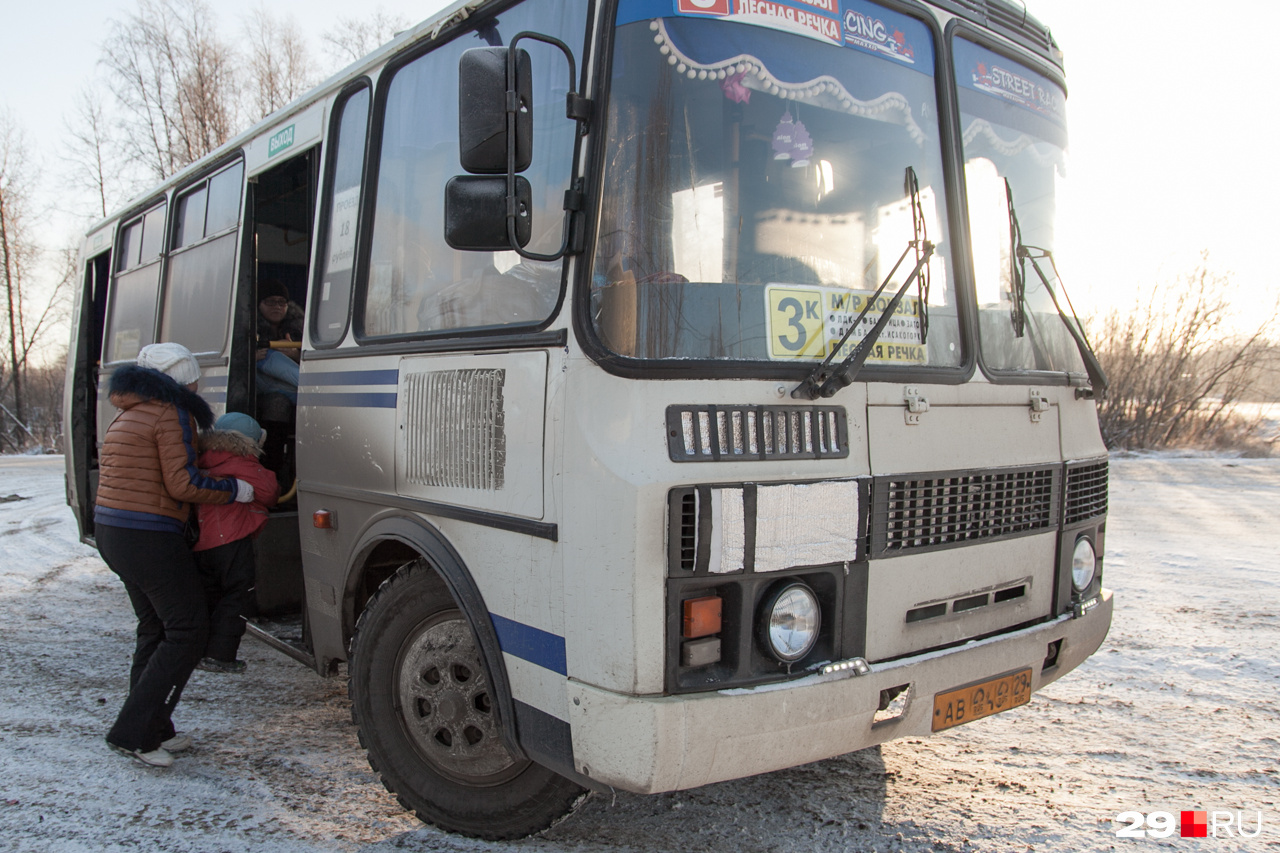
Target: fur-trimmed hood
(131,385)
(229,441)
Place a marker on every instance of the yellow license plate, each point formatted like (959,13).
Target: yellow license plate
(966,704)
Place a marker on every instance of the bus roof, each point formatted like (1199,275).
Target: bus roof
(1010,20)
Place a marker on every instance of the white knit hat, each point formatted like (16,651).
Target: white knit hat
(172,359)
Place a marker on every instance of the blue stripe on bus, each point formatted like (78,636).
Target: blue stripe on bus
(370,400)
(352,377)
(531,644)
(213,381)
(214,396)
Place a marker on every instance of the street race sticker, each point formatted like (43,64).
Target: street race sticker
(806,322)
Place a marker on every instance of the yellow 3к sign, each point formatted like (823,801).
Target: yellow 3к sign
(807,322)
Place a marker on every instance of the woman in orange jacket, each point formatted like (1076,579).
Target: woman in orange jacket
(148,480)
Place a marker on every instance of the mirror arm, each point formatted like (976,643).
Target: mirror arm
(578,109)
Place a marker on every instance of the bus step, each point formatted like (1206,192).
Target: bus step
(289,645)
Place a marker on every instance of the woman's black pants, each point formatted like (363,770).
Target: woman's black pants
(160,576)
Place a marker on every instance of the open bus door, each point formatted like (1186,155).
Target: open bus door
(80,432)
(278,221)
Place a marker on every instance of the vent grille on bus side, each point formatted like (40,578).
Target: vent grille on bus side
(948,509)
(687,543)
(724,433)
(455,432)
(1086,491)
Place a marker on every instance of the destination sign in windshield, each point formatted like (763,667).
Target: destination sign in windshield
(856,24)
(807,322)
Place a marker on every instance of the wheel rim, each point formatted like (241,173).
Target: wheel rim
(445,704)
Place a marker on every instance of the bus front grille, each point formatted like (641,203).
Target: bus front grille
(944,510)
(728,433)
(1086,490)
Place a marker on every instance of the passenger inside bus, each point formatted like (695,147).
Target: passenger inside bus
(279,336)
(279,325)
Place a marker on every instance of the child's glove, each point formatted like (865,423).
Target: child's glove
(244,492)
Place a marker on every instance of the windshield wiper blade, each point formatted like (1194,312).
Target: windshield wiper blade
(1097,376)
(825,381)
(920,237)
(1017,274)
(1024,253)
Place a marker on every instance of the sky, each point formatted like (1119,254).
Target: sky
(1168,105)
(48,53)
(1172,142)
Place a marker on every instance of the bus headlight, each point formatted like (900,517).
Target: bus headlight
(1083,564)
(791,618)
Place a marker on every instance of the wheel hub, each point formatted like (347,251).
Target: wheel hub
(445,703)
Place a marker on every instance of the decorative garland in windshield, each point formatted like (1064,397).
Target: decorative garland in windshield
(741,74)
(1004,147)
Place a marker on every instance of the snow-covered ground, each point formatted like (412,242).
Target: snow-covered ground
(1177,711)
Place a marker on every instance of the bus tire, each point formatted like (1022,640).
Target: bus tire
(422,703)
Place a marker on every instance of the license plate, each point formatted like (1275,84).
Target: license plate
(966,704)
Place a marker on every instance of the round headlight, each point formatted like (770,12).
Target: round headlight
(791,621)
(1083,564)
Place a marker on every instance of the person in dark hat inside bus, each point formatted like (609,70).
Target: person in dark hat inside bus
(279,319)
(148,480)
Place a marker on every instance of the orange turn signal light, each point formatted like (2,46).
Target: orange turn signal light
(323,519)
(702,616)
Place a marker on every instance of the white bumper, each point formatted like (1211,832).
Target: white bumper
(668,743)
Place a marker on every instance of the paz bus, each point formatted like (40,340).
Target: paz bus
(687,388)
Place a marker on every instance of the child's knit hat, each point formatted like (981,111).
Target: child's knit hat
(241,423)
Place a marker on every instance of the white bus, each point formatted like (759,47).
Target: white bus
(687,389)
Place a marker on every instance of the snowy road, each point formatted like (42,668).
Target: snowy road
(1177,711)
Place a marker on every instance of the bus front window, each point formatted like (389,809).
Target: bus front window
(1014,131)
(754,189)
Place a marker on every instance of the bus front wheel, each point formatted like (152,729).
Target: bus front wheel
(423,702)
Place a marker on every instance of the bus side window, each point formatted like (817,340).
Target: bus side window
(337,236)
(201,271)
(135,290)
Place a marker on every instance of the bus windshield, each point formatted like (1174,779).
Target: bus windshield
(754,187)
(1014,131)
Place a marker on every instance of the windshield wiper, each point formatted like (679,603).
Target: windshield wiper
(920,237)
(1017,272)
(1034,254)
(825,381)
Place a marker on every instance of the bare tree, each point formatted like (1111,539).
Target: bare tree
(1178,369)
(44,391)
(175,82)
(26,318)
(91,152)
(279,62)
(352,38)
(17,247)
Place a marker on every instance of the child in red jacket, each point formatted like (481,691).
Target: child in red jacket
(224,551)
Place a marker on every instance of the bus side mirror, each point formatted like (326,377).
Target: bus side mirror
(483,109)
(495,138)
(475,213)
